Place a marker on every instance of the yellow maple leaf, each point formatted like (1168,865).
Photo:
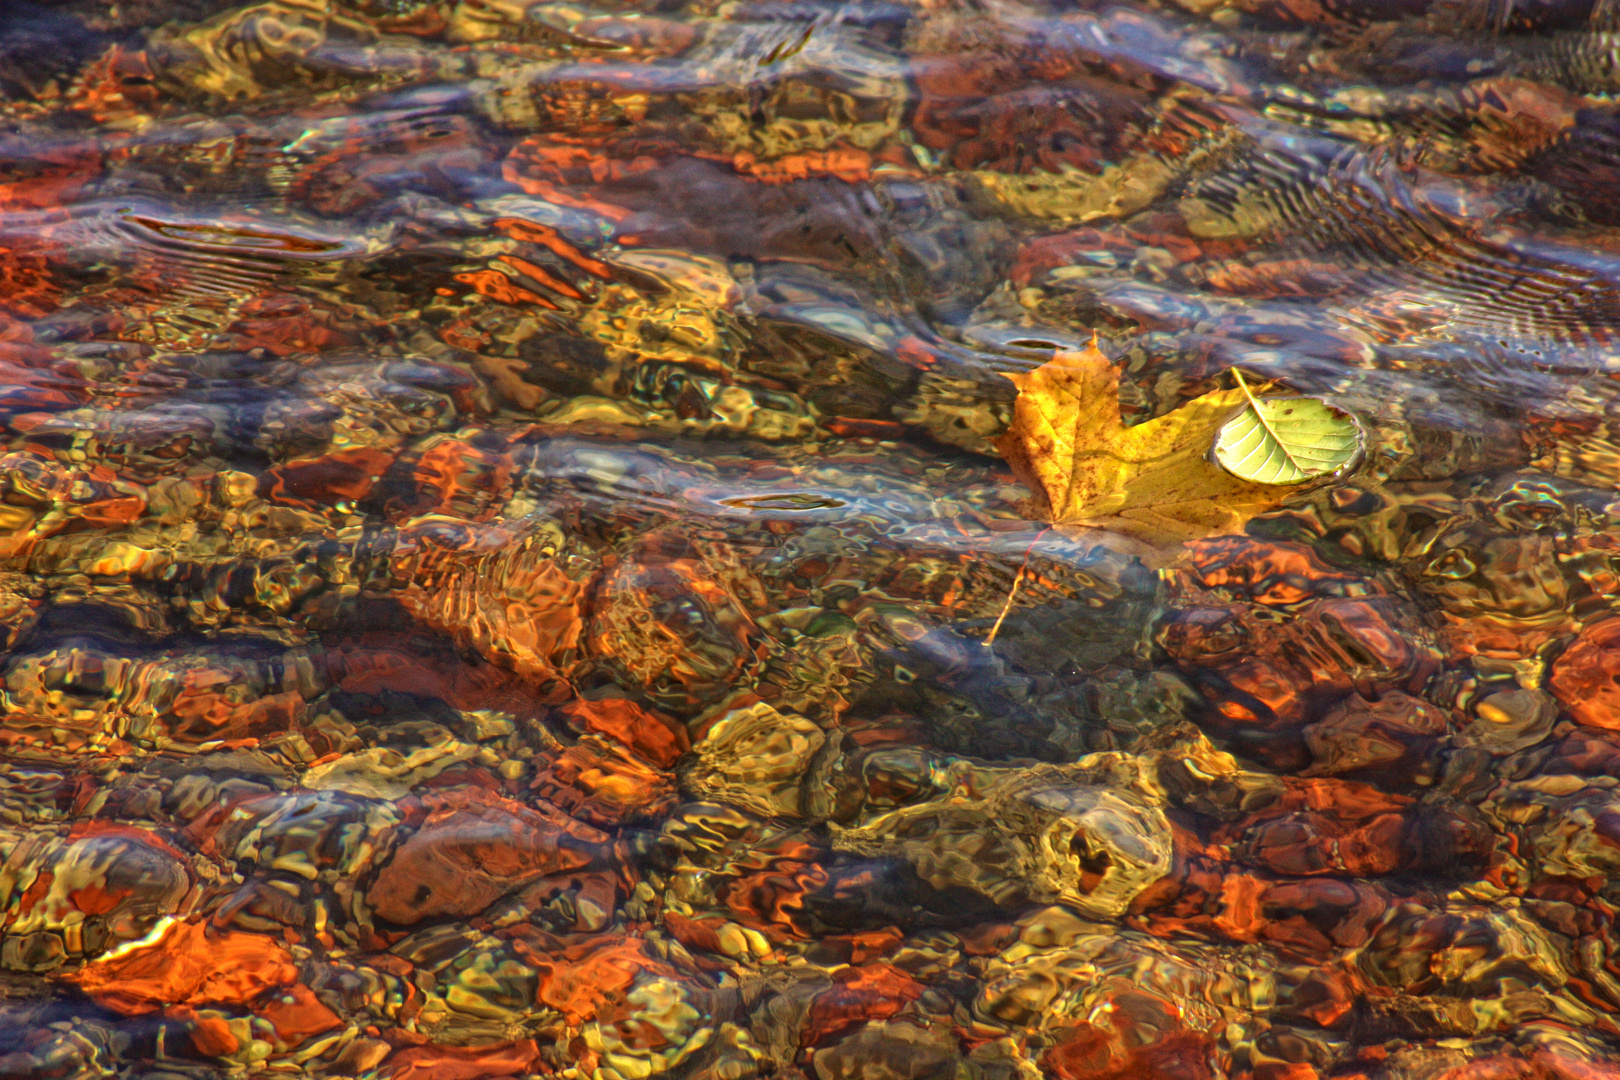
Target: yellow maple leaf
(1153,483)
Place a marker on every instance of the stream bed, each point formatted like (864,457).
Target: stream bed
(507,570)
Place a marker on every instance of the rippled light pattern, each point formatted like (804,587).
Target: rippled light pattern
(501,528)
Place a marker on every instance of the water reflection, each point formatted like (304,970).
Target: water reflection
(500,529)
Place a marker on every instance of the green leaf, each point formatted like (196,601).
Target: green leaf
(1287,440)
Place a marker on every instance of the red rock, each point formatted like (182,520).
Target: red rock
(600,782)
(1328,995)
(1586,679)
(847,163)
(48,497)
(1326,826)
(463,1062)
(316,483)
(662,37)
(453,477)
(296,1014)
(1341,913)
(987,939)
(672,620)
(1278,277)
(595,895)
(846,427)
(701,934)
(1274,574)
(472,849)
(122,875)
(1044,253)
(581,976)
(190,964)
(511,602)
(350,181)
(111,513)
(1289,1070)
(976,108)
(1323,826)
(870,992)
(1539,1065)
(549,168)
(768,891)
(211,1036)
(389,666)
(1389,736)
(659,739)
(1322,845)
(202,714)
(858,948)
(1258,692)
(1265,673)
(1200,898)
(1144,1039)
(361,1056)
(282,325)
(1240,918)
(1585,751)
(579,988)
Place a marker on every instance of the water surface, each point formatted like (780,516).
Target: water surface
(501,530)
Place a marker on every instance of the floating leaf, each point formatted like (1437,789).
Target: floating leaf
(1287,440)
(1153,483)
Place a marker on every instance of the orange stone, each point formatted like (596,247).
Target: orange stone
(211,1036)
(1274,574)
(314,483)
(602,783)
(463,1062)
(1586,679)
(514,605)
(655,737)
(871,992)
(1141,1038)
(579,986)
(473,849)
(190,964)
(296,1014)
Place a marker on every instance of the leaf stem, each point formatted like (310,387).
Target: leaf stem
(1261,416)
(1018,579)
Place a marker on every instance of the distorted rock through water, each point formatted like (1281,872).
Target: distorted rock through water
(501,527)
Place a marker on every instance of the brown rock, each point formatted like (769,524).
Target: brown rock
(1389,735)
(603,783)
(1265,672)
(473,849)
(672,621)
(656,738)
(512,602)
(464,1062)
(890,1051)
(1586,679)
(870,992)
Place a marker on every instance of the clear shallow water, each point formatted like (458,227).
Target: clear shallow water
(501,528)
